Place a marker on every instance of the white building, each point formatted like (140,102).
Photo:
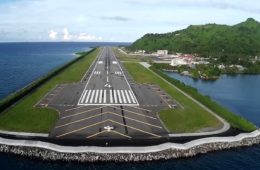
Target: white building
(162,52)
(221,66)
(179,61)
(140,52)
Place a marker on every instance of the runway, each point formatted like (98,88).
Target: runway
(107,104)
(107,84)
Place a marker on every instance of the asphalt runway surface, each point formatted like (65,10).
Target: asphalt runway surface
(107,104)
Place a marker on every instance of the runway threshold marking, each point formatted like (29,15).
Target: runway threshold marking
(82,112)
(132,112)
(84,94)
(107,96)
(127,96)
(115,96)
(123,95)
(100,96)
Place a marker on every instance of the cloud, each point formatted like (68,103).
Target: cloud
(66,35)
(88,37)
(115,18)
(52,34)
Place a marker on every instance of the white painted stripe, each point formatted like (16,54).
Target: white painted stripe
(105,96)
(115,98)
(119,96)
(132,97)
(83,97)
(96,97)
(100,96)
(123,95)
(89,92)
(127,96)
(92,96)
(111,96)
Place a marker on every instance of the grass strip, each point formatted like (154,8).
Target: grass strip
(190,117)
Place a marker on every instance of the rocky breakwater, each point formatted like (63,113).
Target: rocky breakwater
(48,151)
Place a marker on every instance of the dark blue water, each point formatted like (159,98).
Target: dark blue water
(21,63)
(25,62)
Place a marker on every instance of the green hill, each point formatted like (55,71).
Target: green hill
(240,40)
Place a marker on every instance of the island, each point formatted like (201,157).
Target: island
(205,51)
(108,105)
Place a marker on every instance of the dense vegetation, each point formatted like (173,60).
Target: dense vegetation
(24,116)
(207,40)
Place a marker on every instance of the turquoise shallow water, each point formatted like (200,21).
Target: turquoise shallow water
(24,62)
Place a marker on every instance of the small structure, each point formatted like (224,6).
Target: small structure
(162,52)
(140,52)
(221,66)
(184,59)
(178,62)
(239,67)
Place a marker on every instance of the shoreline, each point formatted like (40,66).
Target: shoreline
(166,151)
(213,79)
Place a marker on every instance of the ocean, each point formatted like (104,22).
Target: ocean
(22,63)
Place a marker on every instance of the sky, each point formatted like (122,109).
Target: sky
(113,20)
